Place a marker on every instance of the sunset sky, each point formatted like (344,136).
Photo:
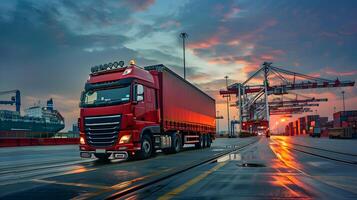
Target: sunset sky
(48,47)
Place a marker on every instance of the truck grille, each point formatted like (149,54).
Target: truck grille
(102,131)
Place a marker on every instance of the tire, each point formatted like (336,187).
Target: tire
(102,157)
(204,145)
(209,141)
(199,144)
(176,143)
(146,147)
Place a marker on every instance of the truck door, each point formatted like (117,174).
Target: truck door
(150,109)
(139,111)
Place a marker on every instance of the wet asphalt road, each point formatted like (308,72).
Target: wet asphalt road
(59,173)
(271,169)
(275,168)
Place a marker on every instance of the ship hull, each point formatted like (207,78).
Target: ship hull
(28,129)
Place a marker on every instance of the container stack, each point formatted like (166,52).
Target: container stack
(302,125)
(346,119)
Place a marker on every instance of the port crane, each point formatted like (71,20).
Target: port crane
(16,99)
(254,105)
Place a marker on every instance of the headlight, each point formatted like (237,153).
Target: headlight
(124,139)
(82,141)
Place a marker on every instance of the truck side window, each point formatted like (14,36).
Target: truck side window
(139,92)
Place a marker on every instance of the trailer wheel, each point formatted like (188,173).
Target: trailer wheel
(208,140)
(176,143)
(200,143)
(146,147)
(204,145)
(102,157)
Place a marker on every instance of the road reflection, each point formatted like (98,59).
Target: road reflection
(79,169)
(292,184)
(280,149)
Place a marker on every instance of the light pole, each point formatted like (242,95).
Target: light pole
(226,77)
(343,101)
(184,35)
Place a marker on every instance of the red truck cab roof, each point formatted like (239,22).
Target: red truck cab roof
(131,71)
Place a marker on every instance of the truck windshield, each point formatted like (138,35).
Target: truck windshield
(110,96)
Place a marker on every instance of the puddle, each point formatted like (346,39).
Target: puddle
(232,156)
(218,149)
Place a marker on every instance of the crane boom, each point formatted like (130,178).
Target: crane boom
(14,99)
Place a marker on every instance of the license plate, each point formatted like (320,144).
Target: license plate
(100,151)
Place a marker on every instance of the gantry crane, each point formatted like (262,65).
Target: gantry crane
(14,99)
(252,95)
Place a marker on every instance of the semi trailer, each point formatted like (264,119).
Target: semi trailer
(131,112)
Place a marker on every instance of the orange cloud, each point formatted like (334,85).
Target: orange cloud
(213,41)
(234,42)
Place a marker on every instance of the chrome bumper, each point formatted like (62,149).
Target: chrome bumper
(114,154)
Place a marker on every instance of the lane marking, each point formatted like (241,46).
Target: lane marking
(25,177)
(193,181)
(71,184)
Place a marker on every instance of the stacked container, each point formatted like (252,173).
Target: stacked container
(312,121)
(346,119)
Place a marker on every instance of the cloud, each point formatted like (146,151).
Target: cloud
(49,46)
(333,72)
(232,13)
(139,5)
(210,42)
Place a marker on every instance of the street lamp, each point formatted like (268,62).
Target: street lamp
(226,77)
(184,35)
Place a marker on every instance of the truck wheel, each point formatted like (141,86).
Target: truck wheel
(204,141)
(146,147)
(102,157)
(176,143)
(209,141)
(199,144)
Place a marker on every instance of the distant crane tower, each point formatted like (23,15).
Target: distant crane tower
(14,99)
(254,106)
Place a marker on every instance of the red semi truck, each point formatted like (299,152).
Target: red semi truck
(130,112)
